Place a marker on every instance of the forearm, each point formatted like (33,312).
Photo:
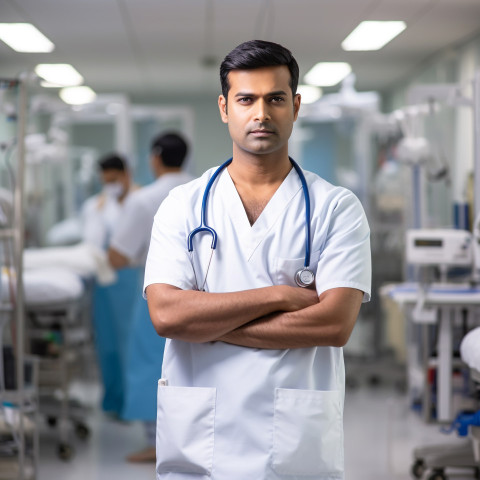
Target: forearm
(117,260)
(328,323)
(195,316)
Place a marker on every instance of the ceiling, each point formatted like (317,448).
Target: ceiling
(148,48)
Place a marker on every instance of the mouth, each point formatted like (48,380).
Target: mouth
(260,132)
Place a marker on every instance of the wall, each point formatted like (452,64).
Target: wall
(212,144)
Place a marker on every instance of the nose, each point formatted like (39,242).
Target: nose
(262,113)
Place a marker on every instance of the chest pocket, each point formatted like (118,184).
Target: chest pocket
(286,268)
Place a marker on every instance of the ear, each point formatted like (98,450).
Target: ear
(222,105)
(297,99)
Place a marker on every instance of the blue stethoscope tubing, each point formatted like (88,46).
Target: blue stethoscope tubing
(303,277)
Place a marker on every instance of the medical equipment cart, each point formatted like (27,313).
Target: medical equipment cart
(19,443)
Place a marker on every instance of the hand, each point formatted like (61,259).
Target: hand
(297,298)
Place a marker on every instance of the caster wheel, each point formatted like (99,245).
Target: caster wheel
(438,475)
(65,451)
(418,469)
(82,431)
(374,381)
(51,421)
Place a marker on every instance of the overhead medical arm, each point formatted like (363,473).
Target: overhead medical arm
(199,317)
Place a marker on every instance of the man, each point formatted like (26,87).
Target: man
(253,374)
(128,248)
(100,212)
(129,245)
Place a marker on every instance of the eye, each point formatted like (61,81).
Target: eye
(277,99)
(244,100)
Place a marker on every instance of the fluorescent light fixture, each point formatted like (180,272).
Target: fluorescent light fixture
(309,93)
(46,84)
(24,37)
(327,74)
(59,73)
(373,35)
(77,95)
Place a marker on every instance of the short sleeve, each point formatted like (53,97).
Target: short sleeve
(131,234)
(168,260)
(345,260)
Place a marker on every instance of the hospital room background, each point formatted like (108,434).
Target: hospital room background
(408,148)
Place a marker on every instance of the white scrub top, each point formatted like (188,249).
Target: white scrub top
(131,235)
(99,215)
(230,412)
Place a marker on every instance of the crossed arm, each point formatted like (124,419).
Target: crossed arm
(273,317)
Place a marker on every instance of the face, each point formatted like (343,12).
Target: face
(260,110)
(112,176)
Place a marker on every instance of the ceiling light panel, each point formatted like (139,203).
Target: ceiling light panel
(373,35)
(327,74)
(62,74)
(77,95)
(24,37)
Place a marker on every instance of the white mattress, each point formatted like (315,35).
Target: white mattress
(83,259)
(66,232)
(44,286)
(470,349)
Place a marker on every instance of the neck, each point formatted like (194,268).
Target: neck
(122,197)
(258,170)
(163,169)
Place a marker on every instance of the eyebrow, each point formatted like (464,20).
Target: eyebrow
(272,94)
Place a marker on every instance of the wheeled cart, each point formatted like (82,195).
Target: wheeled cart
(431,462)
(58,336)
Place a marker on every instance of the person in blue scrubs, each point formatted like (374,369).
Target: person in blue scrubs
(129,247)
(112,302)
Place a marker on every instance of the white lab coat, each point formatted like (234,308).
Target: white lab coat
(99,215)
(238,413)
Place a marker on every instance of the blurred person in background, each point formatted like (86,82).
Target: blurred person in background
(100,212)
(129,247)
(112,304)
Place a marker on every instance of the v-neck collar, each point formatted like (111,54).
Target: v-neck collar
(252,235)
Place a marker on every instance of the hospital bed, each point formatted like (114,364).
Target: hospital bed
(432,461)
(58,328)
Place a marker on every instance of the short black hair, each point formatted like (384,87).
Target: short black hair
(112,161)
(171,147)
(256,54)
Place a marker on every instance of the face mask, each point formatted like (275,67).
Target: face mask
(113,190)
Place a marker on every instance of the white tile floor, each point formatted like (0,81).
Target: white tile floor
(380,435)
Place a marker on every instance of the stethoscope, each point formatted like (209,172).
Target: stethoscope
(304,277)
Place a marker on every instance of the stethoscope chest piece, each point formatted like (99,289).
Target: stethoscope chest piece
(304,277)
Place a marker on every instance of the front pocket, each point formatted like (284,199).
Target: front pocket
(308,433)
(185,429)
(286,268)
